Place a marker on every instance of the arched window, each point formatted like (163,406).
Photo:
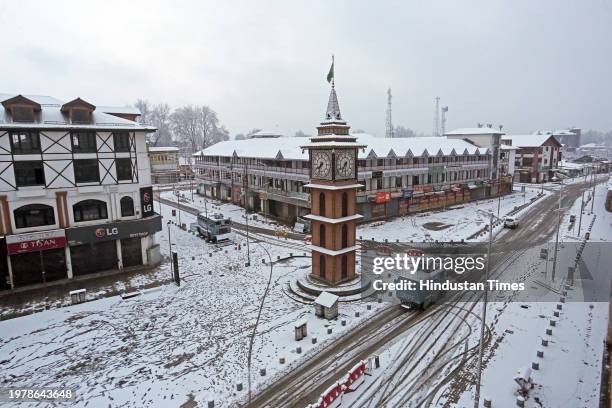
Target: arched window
(322,266)
(322,204)
(88,210)
(34,215)
(127,206)
(344,267)
(345,204)
(322,235)
(344,236)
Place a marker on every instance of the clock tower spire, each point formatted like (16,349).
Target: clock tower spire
(333,196)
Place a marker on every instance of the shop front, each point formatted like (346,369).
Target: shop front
(114,245)
(37,257)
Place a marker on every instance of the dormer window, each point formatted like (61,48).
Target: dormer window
(80,116)
(79,111)
(23,114)
(21,109)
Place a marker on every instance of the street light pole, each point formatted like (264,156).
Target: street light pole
(484,314)
(170,248)
(554,268)
(593,196)
(581,209)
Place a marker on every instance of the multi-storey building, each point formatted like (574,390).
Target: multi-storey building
(537,156)
(75,191)
(399,175)
(164,164)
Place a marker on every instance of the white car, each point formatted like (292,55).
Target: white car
(511,222)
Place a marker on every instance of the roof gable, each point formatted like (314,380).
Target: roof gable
(21,101)
(77,103)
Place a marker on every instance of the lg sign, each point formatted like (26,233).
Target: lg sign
(106,232)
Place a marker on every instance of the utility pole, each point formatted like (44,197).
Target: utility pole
(593,196)
(389,131)
(554,268)
(170,248)
(581,209)
(484,314)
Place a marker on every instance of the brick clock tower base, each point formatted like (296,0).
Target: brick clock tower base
(333,197)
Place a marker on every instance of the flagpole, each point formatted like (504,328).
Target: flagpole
(334,73)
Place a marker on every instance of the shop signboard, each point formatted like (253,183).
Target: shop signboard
(113,230)
(383,197)
(407,193)
(35,241)
(146,201)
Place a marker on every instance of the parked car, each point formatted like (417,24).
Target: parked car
(511,222)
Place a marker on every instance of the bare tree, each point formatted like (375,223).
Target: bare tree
(160,118)
(300,133)
(252,132)
(197,127)
(145,111)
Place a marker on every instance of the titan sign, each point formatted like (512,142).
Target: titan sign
(36,241)
(113,230)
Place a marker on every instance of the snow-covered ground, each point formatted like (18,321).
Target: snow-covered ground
(569,372)
(457,223)
(172,344)
(233,211)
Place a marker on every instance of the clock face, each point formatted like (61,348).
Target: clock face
(345,164)
(321,164)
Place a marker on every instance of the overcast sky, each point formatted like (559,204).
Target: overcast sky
(525,64)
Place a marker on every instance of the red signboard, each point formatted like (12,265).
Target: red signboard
(422,188)
(383,197)
(37,241)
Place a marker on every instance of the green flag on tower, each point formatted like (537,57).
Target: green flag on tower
(330,75)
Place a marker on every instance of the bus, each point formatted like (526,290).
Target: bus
(215,227)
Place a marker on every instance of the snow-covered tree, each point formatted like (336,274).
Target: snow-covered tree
(160,118)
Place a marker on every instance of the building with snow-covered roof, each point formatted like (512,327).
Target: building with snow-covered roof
(165,167)
(75,186)
(537,156)
(400,175)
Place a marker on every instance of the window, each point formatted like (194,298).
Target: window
(89,210)
(124,169)
(25,142)
(344,236)
(344,267)
(121,140)
(322,266)
(322,235)
(29,173)
(83,142)
(80,116)
(22,114)
(34,215)
(322,204)
(86,171)
(127,206)
(345,204)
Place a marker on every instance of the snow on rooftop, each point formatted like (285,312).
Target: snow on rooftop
(326,299)
(126,110)
(163,149)
(264,134)
(474,131)
(534,140)
(289,148)
(52,117)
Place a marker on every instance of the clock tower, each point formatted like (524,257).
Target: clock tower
(333,196)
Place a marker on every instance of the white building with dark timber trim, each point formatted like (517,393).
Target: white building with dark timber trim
(75,191)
